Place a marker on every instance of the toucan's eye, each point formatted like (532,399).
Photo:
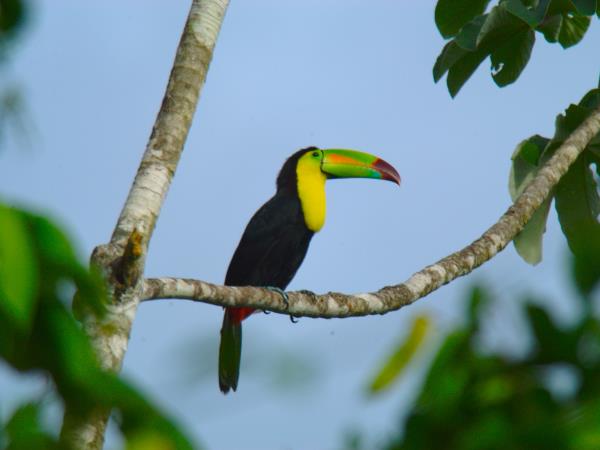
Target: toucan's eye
(316,154)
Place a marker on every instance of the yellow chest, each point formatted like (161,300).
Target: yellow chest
(311,190)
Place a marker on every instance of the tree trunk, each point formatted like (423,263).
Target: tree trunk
(122,260)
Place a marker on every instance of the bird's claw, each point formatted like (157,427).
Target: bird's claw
(283,294)
(285,298)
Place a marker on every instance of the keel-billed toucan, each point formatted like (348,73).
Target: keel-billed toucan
(276,238)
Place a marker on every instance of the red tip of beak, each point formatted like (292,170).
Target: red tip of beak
(387,171)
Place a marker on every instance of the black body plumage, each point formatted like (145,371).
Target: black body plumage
(269,253)
(276,239)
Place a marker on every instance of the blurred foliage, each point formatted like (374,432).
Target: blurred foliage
(399,359)
(577,196)
(38,274)
(506,34)
(23,430)
(14,116)
(478,399)
(13,16)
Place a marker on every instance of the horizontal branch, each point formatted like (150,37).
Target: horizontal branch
(390,298)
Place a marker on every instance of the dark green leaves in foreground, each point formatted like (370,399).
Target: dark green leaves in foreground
(505,34)
(478,398)
(39,273)
(577,196)
(18,270)
(12,17)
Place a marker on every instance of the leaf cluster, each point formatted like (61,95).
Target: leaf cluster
(506,34)
(39,273)
(472,399)
(577,196)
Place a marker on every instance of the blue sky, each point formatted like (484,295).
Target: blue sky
(285,75)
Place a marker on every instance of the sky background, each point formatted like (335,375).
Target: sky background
(285,75)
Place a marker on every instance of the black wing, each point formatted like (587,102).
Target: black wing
(272,247)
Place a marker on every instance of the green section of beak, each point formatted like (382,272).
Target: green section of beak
(339,163)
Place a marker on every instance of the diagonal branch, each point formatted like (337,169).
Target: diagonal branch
(122,260)
(390,298)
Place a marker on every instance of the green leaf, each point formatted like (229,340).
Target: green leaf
(525,161)
(25,432)
(578,207)
(53,244)
(585,7)
(60,262)
(585,275)
(148,439)
(499,25)
(508,38)
(57,345)
(467,38)
(577,197)
(509,60)
(452,15)
(585,431)
(12,16)
(531,16)
(18,269)
(572,30)
(405,352)
(566,123)
(550,28)
(552,344)
(528,242)
(448,375)
(462,70)
(454,51)
(73,356)
(478,298)
(561,7)
(591,100)
(450,54)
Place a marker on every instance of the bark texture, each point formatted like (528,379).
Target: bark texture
(390,298)
(122,260)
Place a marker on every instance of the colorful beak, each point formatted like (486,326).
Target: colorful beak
(339,163)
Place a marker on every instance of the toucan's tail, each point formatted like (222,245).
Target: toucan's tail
(230,351)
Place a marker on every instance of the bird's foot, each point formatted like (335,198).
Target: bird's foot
(281,292)
(285,298)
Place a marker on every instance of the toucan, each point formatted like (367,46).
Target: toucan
(277,237)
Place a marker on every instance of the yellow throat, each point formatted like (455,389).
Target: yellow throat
(311,190)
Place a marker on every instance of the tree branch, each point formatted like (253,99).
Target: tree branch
(122,260)
(391,298)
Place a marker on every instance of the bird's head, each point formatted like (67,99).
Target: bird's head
(336,163)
